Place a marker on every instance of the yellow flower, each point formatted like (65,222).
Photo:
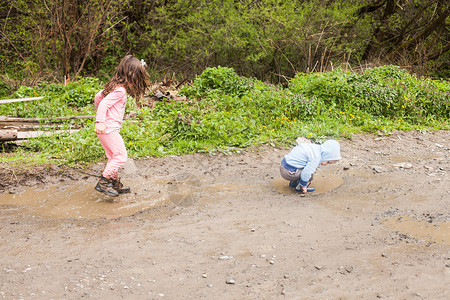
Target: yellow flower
(130,143)
(403,106)
(406,98)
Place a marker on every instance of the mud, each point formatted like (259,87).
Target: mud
(228,227)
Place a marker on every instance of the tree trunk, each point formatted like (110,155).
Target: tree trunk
(422,35)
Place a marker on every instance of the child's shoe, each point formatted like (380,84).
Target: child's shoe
(118,186)
(309,190)
(105,186)
(293,183)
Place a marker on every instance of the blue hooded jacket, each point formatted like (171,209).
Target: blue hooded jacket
(309,156)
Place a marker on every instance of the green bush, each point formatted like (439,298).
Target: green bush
(225,112)
(218,79)
(387,92)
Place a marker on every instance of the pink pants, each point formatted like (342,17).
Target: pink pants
(115,152)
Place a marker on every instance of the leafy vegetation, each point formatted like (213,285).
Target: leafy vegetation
(270,40)
(225,112)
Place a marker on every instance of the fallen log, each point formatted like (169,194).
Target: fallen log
(14,119)
(20,100)
(12,135)
(8,135)
(23,135)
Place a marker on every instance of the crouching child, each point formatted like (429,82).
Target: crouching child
(300,164)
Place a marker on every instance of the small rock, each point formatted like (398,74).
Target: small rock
(403,165)
(439,145)
(378,169)
(204,275)
(225,257)
(231,281)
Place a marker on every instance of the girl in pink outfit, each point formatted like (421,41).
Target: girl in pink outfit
(132,78)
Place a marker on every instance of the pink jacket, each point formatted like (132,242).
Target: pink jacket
(110,109)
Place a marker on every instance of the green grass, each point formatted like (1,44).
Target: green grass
(225,113)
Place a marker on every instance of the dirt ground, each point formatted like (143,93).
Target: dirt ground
(228,227)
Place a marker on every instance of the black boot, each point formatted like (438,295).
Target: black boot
(294,183)
(105,185)
(118,186)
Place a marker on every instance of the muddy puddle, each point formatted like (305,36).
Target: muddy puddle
(82,201)
(323,183)
(77,201)
(438,232)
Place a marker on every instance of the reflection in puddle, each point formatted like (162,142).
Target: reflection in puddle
(323,183)
(432,232)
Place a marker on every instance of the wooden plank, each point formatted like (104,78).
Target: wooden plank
(20,100)
(22,135)
(8,135)
(12,135)
(14,119)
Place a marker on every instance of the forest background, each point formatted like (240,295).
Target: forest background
(268,39)
(251,72)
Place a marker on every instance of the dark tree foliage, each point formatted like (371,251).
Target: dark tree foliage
(417,29)
(268,39)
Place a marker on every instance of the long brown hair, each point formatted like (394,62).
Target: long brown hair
(131,74)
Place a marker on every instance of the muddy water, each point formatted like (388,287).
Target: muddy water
(438,232)
(78,201)
(82,201)
(323,183)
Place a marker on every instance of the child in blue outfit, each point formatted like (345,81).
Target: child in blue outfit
(299,165)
